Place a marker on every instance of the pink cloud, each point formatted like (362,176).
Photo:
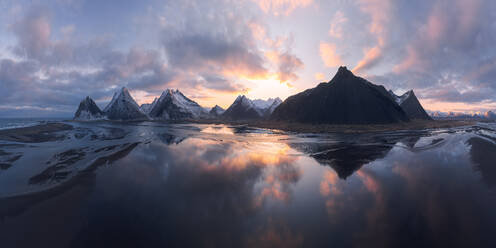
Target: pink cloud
(337,22)
(379,11)
(33,33)
(439,31)
(282,7)
(372,56)
(329,55)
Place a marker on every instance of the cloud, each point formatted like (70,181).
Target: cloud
(337,21)
(55,71)
(379,12)
(282,7)
(329,55)
(203,51)
(287,65)
(33,34)
(371,58)
(319,76)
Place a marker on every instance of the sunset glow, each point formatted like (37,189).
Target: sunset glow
(55,53)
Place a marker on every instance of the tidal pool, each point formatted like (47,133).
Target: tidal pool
(187,185)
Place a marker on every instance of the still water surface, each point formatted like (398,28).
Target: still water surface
(150,185)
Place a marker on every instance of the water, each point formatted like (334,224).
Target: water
(8,123)
(152,185)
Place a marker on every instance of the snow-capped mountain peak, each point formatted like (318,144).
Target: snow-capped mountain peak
(245,108)
(123,107)
(263,104)
(123,96)
(173,104)
(88,110)
(217,110)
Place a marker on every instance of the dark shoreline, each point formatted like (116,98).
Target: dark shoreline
(46,132)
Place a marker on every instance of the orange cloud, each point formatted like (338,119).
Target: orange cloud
(284,7)
(328,184)
(379,14)
(319,76)
(371,57)
(329,55)
(432,104)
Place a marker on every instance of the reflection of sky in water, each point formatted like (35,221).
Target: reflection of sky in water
(217,188)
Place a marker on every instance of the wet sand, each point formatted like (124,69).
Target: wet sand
(328,128)
(34,134)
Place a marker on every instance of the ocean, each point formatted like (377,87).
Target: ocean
(8,123)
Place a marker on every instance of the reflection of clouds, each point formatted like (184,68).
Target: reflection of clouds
(329,180)
(431,195)
(195,193)
(217,130)
(275,234)
(278,181)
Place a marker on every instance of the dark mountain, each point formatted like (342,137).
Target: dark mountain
(88,110)
(216,111)
(123,107)
(490,115)
(411,105)
(173,105)
(242,109)
(346,99)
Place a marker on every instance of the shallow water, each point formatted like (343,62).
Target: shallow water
(153,184)
(8,123)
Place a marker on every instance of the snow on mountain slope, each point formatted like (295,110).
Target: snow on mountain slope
(88,110)
(410,104)
(400,99)
(276,102)
(173,105)
(217,111)
(245,108)
(265,104)
(123,107)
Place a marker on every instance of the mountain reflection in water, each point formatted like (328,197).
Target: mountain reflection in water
(221,186)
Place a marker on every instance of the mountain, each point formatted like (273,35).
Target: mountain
(275,103)
(216,111)
(242,109)
(346,99)
(173,105)
(411,105)
(265,104)
(123,107)
(146,107)
(490,115)
(88,110)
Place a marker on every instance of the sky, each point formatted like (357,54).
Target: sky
(55,53)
